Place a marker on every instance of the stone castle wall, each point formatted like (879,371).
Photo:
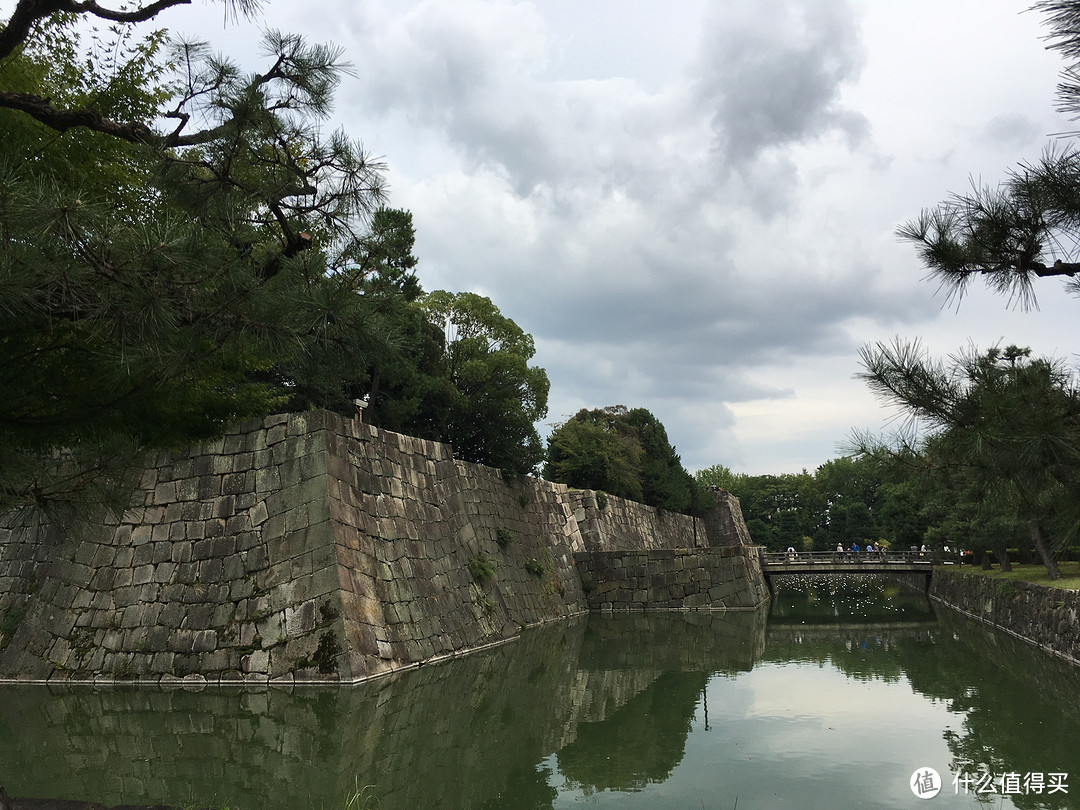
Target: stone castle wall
(302,546)
(1040,615)
(672,579)
(609,523)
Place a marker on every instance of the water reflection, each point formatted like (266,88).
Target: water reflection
(811,708)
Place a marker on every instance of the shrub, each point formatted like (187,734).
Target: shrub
(482,568)
(503,536)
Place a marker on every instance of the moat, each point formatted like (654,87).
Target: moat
(835,699)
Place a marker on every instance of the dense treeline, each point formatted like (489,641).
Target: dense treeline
(845,500)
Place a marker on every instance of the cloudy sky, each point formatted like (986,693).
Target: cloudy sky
(692,205)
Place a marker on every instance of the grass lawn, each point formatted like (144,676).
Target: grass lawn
(1035,574)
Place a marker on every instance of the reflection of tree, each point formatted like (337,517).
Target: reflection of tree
(862,652)
(526,789)
(831,598)
(853,622)
(1018,705)
(640,743)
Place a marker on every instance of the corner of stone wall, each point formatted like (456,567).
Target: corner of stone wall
(724,523)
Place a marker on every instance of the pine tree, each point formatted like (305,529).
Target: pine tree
(171,232)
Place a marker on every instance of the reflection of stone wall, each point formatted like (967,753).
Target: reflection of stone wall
(466,733)
(1046,617)
(677,579)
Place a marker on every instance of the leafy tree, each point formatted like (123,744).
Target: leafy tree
(664,481)
(171,231)
(1000,427)
(596,450)
(719,476)
(495,396)
(623,452)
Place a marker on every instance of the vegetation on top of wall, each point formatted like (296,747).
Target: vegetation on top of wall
(199,250)
(624,452)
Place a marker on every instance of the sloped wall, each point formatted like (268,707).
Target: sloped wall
(304,546)
(610,523)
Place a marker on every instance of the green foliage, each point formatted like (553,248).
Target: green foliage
(494,397)
(534,566)
(595,451)
(719,476)
(156,279)
(503,536)
(162,281)
(9,624)
(997,431)
(482,568)
(841,502)
(361,798)
(601,499)
(623,452)
(1026,228)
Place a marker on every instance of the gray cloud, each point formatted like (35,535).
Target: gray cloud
(706,230)
(774,78)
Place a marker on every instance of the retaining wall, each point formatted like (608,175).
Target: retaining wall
(619,524)
(306,547)
(1046,617)
(673,579)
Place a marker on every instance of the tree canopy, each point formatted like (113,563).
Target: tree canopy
(183,245)
(623,452)
(997,429)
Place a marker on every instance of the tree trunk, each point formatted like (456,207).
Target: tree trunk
(1001,553)
(5,800)
(1044,550)
(986,564)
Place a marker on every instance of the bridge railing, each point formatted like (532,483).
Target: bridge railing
(848,557)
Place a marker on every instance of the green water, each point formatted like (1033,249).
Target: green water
(833,701)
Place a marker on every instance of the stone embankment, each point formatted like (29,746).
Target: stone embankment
(672,579)
(312,547)
(1043,616)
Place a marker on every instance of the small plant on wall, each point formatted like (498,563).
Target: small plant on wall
(601,500)
(503,536)
(482,568)
(534,566)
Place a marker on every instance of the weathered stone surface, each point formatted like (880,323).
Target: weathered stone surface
(673,579)
(1044,616)
(311,547)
